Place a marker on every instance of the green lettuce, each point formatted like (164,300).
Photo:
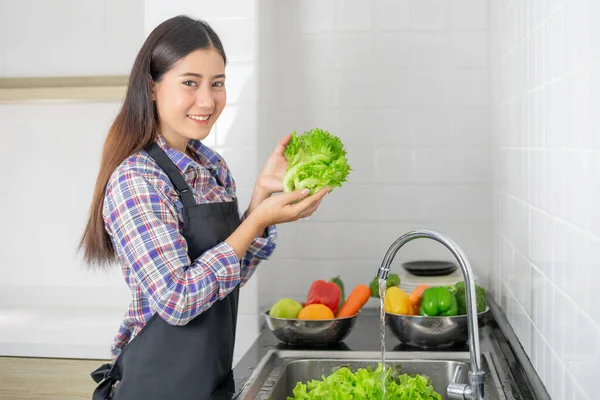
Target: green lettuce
(343,384)
(316,159)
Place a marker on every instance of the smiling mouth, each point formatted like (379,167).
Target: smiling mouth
(199,117)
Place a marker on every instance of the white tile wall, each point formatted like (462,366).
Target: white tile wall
(405,85)
(546,168)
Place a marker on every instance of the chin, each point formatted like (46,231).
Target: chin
(197,135)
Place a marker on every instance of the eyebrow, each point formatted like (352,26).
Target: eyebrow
(200,76)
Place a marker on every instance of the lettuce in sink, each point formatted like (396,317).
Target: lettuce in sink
(343,384)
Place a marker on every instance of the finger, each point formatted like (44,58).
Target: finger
(272,183)
(311,209)
(305,217)
(320,194)
(317,197)
(287,198)
(305,204)
(283,143)
(306,214)
(285,140)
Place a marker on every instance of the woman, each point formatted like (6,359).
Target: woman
(165,207)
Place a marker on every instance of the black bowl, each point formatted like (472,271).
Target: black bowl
(430,267)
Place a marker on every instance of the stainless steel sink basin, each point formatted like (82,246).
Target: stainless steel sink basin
(278,372)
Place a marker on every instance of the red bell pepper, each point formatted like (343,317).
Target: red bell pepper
(326,293)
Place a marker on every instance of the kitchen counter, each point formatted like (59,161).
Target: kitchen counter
(518,377)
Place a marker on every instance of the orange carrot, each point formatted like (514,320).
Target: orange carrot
(415,296)
(357,298)
(415,309)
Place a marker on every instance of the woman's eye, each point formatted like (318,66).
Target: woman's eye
(218,84)
(190,83)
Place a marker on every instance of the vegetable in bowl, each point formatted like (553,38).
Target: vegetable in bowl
(461,298)
(316,160)
(391,281)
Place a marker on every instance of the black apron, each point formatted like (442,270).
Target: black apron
(180,362)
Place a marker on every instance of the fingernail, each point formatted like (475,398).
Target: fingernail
(304,191)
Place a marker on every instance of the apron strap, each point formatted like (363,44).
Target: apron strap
(165,163)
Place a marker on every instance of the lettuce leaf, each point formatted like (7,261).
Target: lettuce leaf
(343,384)
(316,159)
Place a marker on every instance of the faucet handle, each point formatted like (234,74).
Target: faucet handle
(463,391)
(456,375)
(456,390)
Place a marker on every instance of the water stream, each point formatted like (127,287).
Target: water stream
(382,289)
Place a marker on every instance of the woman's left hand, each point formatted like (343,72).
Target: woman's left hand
(270,179)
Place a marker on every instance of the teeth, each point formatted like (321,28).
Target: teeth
(199,118)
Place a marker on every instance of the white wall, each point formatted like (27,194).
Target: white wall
(50,304)
(546,147)
(69,37)
(405,85)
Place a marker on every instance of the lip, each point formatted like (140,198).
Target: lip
(199,122)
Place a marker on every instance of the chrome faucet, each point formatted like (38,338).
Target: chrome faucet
(474,389)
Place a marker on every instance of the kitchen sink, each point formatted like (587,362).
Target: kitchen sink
(280,370)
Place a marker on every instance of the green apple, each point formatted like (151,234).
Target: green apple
(286,308)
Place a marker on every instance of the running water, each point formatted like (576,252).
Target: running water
(382,289)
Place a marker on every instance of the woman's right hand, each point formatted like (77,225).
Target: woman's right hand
(288,207)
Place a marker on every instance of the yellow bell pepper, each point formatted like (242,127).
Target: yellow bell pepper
(397,302)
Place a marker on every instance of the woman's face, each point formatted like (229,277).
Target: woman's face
(190,97)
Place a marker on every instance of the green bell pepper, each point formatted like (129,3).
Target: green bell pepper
(438,301)
(338,281)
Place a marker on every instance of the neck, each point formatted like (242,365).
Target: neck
(177,143)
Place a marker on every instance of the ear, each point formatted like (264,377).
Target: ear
(152,88)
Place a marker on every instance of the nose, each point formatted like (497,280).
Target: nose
(204,98)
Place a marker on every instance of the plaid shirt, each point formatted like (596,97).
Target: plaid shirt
(144,219)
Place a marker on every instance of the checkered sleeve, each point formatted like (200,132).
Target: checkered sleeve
(260,249)
(145,232)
